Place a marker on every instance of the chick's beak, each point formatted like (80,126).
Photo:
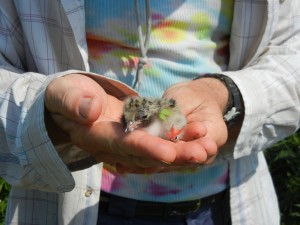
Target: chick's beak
(131,126)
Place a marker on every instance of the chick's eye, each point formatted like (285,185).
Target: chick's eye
(141,116)
(144,117)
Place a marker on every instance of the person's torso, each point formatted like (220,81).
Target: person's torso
(188,38)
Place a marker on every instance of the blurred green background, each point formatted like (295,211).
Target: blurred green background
(284,162)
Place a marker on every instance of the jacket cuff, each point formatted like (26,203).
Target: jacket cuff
(251,90)
(37,151)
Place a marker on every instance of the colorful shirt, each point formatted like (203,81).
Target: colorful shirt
(187,38)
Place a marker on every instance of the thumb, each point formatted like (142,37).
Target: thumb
(74,102)
(85,110)
(85,107)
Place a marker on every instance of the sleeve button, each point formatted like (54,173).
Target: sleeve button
(88,192)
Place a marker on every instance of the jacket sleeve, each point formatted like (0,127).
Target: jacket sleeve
(270,83)
(27,156)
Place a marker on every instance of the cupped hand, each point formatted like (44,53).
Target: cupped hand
(203,101)
(90,118)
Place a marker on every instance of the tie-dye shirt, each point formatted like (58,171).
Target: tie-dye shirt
(188,38)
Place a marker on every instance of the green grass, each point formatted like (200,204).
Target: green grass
(284,162)
(4,189)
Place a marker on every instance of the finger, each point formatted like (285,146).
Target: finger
(131,163)
(198,151)
(211,149)
(137,143)
(209,145)
(194,130)
(190,153)
(142,144)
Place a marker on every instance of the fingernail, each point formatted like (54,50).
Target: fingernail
(84,107)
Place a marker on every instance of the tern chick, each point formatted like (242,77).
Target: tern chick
(158,117)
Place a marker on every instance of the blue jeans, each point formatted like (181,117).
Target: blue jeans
(215,213)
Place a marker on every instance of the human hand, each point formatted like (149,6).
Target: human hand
(203,101)
(90,119)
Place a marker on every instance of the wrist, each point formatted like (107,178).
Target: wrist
(233,99)
(216,89)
